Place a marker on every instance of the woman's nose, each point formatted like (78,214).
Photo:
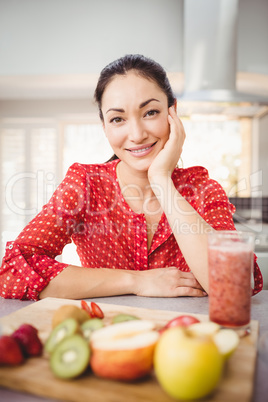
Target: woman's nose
(137,131)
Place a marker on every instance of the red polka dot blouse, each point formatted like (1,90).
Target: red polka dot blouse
(88,208)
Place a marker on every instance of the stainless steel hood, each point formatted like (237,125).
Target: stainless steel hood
(210,62)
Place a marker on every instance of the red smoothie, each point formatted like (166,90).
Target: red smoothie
(230,284)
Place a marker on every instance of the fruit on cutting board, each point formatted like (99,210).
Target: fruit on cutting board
(186,366)
(66,328)
(180,321)
(91,325)
(10,351)
(124,351)
(208,328)
(27,337)
(69,311)
(93,310)
(96,311)
(123,317)
(71,357)
(227,341)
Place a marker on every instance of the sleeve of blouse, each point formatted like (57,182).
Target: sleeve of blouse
(29,262)
(214,206)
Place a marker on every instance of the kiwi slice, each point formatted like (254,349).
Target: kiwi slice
(123,317)
(71,357)
(66,328)
(91,325)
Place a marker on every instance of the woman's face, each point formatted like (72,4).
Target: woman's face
(135,119)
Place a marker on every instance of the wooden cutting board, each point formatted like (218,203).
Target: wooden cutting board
(35,376)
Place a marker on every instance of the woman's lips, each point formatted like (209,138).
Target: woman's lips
(141,150)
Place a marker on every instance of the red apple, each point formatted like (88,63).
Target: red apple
(124,351)
(180,321)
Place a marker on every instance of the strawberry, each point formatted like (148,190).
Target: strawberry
(10,351)
(27,337)
(94,311)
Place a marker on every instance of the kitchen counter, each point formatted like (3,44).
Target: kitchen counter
(180,304)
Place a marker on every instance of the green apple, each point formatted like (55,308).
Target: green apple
(227,340)
(187,366)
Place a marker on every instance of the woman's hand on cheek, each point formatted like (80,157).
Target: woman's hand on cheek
(167,159)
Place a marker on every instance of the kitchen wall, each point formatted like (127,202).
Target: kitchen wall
(263,153)
(252,36)
(80,37)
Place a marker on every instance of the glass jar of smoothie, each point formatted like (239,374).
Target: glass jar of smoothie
(230,265)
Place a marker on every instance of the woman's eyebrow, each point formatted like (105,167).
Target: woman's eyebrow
(148,101)
(115,110)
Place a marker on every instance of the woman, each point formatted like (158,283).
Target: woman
(139,223)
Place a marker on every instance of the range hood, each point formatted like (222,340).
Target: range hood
(210,62)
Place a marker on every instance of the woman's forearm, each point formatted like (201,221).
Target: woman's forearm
(188,227)
(77,282)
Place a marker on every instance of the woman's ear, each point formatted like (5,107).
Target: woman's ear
(175,105)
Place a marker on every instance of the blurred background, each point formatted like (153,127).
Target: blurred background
(51,53)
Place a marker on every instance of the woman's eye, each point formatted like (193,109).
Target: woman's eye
(152,112)
(116,120)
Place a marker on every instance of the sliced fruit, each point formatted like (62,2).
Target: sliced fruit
(69,311)
(123,317)
(91,325)
(96,311)
(86,307)
(203,328)
(71,357)
(66,328)
(227,340)
(124,351)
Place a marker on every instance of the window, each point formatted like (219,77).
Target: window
(34,158)
(84,143)
(224,148)
(28,161)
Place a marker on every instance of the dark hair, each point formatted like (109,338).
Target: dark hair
(144,66)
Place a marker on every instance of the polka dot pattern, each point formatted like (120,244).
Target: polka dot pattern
(88,208)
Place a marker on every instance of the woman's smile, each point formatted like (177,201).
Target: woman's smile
(141,150)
